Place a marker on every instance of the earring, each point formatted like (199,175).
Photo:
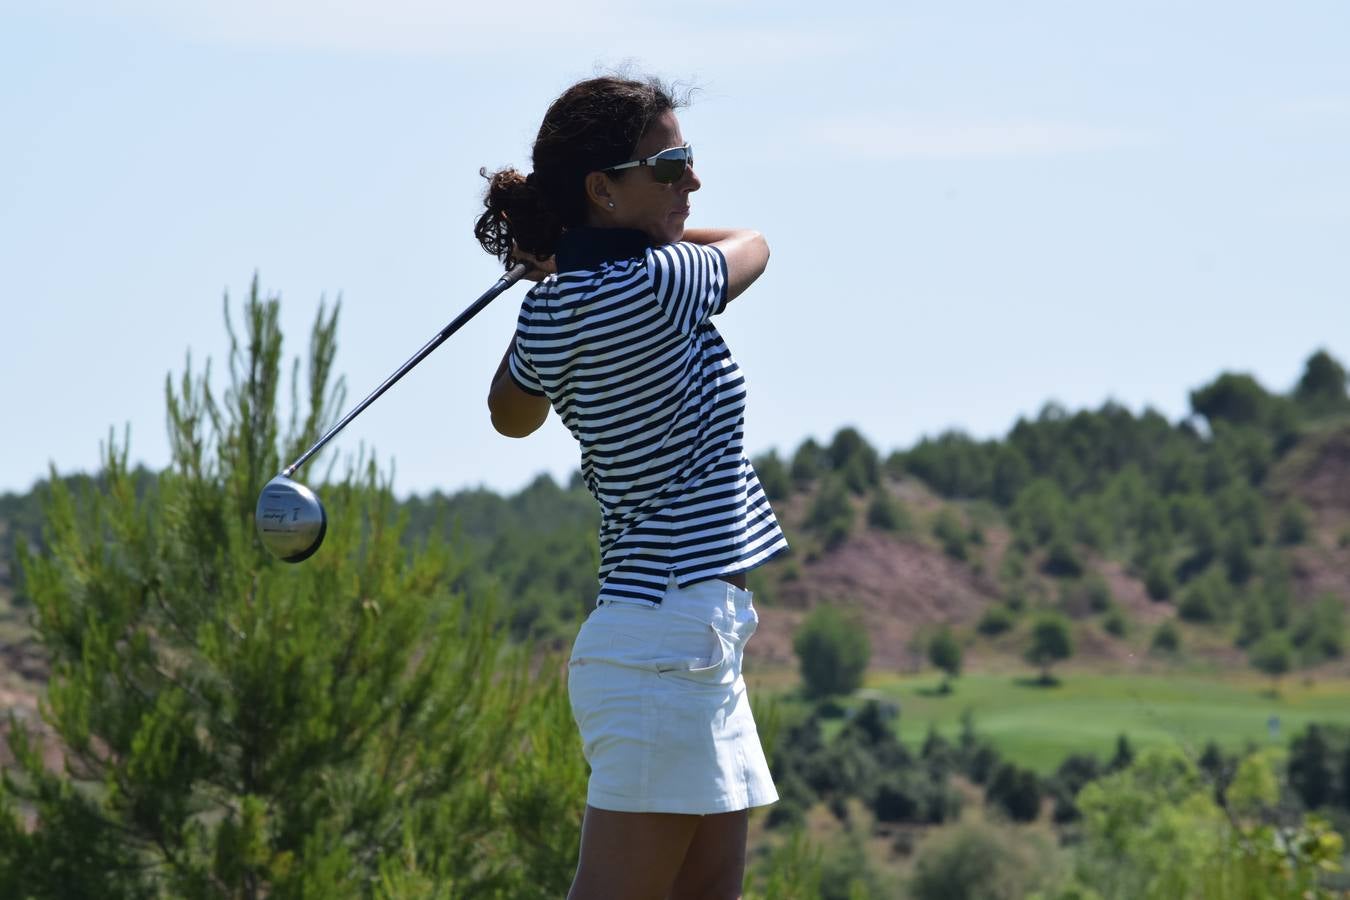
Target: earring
(611,204)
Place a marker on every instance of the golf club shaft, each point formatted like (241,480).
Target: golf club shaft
(510,278)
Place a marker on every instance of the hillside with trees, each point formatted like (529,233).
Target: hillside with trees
(1224,535)
(389,720)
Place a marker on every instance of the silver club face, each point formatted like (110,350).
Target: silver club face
(290,519)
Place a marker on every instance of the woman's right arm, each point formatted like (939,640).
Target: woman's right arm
(515,412)
(746,252)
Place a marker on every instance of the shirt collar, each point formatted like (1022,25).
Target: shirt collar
(585,248)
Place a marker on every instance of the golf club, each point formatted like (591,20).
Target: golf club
(290,519)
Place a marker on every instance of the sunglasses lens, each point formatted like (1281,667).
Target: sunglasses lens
(670,165)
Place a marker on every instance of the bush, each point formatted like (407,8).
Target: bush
(854,460)
(808,463)
(1061,559)
(831,513)
(1293,527)
(1205,598)
(1253,620)
(1319,633)
(1273,655)
(1040,511)
(1154,829)
(885,513)
(945,653)
(1237,399)
(949,531)
(1158,579)
(1322,387)
(996,620)
(833,651)
(1076,771)
(1051,642)
(1311,768)
(1166,638)
(978,861)
(773,476)
(1115,623)
(1089,595)
(1016,791)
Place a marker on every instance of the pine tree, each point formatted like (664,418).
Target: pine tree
(232,726)
(1310,772)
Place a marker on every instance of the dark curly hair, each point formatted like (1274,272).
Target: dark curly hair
(594,124)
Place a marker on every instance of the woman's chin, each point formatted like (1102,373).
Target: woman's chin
(672,234)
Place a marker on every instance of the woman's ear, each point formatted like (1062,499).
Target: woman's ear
(598,193)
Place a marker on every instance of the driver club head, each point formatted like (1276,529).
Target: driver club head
(291,521)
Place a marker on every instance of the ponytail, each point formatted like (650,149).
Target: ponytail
(515,215)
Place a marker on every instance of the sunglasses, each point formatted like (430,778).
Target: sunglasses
(667,166)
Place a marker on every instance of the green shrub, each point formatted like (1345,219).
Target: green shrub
(1166,638)
(1158,579)
(1273,655)
(996,620)
(773,476)
(832,651)
(944,652)
(1294,525)
(1051,642)
(808,463)
(981,861)
(831,513)
(950,532)
(885,513)
(1115,622)
(1205,599)
(1016,791)
(1253,620)
(1085,596)
(1319,632)
(854,461)
(1322,387)
(1061,559)
(1154,830)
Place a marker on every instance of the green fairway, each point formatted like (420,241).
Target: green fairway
(1038,726)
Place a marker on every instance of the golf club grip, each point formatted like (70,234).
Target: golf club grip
(511,277)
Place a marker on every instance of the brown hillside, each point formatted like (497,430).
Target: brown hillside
(903,586)
(899,586)
(1317,474)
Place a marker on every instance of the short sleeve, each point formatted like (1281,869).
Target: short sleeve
(689,281)
(518,361)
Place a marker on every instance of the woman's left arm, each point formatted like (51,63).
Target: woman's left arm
(515,411)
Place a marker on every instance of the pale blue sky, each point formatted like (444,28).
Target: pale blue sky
(973,207)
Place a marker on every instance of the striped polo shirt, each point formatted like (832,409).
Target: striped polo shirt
(622,343)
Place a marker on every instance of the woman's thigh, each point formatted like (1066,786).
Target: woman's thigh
(630,855)
(714,865)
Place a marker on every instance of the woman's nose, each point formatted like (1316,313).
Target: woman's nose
(691,179)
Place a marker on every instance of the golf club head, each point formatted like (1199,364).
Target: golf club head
(291,521)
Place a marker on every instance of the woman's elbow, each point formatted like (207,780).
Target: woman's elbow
(514,420)
(760,254)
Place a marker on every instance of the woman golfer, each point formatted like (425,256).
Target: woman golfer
(618,338)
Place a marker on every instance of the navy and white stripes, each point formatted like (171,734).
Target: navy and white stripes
(621,344)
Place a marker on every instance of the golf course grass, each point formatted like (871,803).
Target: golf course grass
(1037,726)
